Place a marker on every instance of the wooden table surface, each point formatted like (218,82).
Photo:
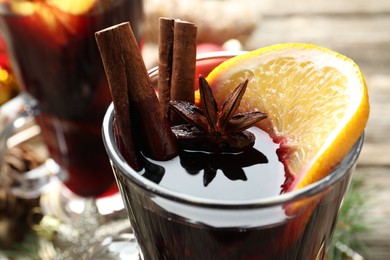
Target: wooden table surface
(361,30)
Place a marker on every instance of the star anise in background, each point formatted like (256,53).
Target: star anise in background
(211,129)
(230,164)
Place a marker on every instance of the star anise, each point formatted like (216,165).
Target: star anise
(212,129)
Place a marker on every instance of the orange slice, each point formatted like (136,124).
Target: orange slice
(55,20)
(74,7)
(22,7)
(316,101)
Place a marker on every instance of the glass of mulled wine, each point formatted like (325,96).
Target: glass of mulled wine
(54,54)
(177,212)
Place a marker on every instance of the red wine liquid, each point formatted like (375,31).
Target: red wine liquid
(253,174)
(58,62)
(169,229)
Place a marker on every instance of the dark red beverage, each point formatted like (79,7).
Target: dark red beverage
(166,234)
(55,56)
(179,210)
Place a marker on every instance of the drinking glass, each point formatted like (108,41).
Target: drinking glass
(55,57)
(173,225)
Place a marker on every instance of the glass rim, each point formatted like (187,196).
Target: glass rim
(317,187)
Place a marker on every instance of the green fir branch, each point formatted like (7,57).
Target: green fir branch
(346,243)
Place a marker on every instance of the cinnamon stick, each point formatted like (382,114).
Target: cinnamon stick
(165,56)
(123,61)
(184,61)
(125,143)
(177,61)
(122,125)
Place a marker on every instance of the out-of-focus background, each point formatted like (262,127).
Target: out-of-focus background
(359,29)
